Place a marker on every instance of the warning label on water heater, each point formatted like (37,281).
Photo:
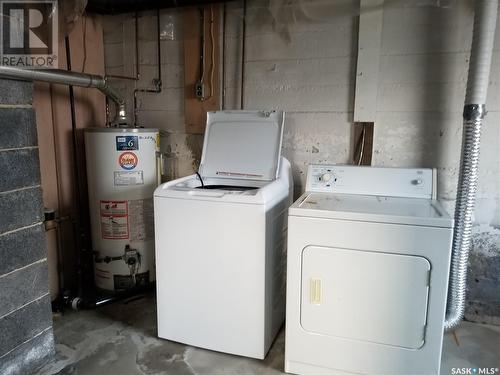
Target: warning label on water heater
(114,220)
(128,178)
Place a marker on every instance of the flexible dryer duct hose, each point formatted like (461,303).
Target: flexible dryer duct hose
(485,18)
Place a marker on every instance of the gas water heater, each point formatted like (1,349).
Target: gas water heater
(122,173)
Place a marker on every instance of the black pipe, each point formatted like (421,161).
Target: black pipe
(243,36)
(98,299)
(76,172)
(158,48)
(126,6)
(202,44)
(58,304)
(78,227)
(130,295)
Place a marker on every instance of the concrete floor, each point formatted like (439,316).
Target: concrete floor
(121,339)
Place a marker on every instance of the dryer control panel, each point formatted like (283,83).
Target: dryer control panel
(392,182)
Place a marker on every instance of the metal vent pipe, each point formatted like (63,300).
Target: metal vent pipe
(485,18)
(67,77)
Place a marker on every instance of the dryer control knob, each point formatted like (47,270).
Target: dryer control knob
(418,181)
(326,177)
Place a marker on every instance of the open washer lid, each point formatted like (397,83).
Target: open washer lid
(242,145)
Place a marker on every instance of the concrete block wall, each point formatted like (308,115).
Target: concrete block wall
(302,64)
(26,337)
(165,110)
(300,56)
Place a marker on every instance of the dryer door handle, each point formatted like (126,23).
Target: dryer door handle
(202,193)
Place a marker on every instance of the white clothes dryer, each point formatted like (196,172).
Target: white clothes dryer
(368,262)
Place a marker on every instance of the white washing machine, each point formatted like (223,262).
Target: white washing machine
(368,261)
(220,248)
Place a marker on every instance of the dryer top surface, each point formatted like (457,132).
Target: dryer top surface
(397,210)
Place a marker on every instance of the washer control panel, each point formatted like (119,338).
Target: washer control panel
(348,179)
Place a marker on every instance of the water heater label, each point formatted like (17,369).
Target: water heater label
(128,178)
(128,160)
(127,143)
(114,220)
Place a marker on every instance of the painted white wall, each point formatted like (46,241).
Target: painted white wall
(301,57)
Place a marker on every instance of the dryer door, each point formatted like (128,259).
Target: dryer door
(362,295)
